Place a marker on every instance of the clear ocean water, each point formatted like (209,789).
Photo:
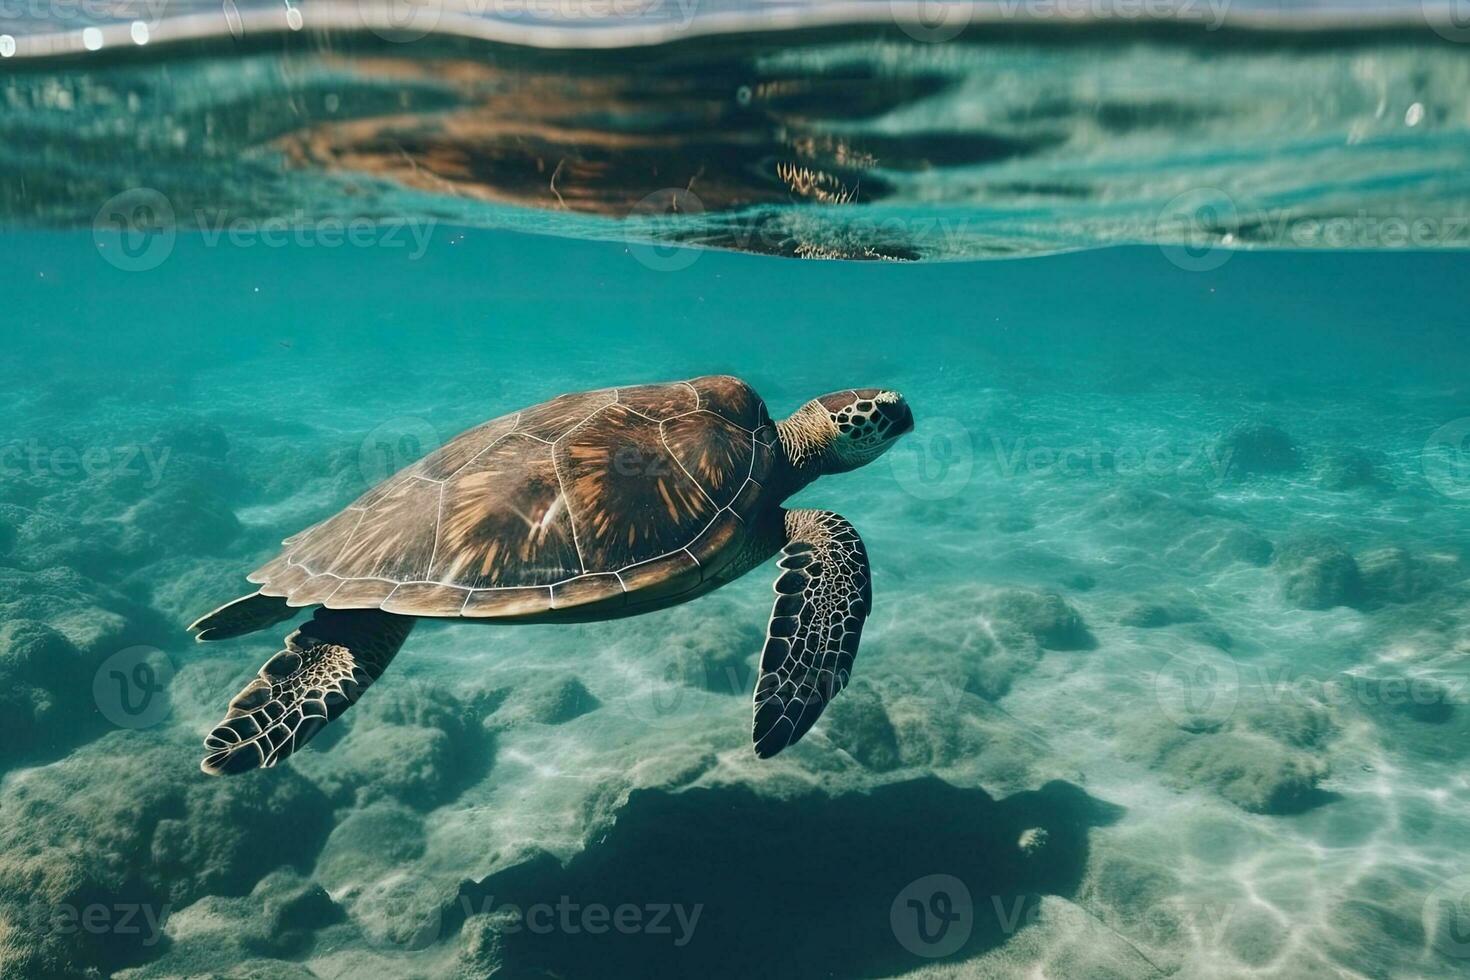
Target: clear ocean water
(1168,670)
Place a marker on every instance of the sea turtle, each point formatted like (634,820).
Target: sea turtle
(590,506)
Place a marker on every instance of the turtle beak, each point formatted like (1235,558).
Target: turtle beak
(900,417)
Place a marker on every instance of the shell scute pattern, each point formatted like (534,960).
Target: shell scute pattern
(362,593)
(458,452)
(660,402)
(732,398)
(715,452)
(630,498)
(394,539)
(583,499)
(503,521)
(551,420)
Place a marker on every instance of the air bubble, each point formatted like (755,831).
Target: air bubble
(7,46)
(92,39)
(139,32)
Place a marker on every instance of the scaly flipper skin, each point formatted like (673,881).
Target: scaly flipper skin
(823,597)
(323,670)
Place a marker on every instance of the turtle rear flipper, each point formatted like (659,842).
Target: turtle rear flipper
(240,616)
(323,670)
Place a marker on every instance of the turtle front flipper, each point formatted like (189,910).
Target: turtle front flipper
(323,670)
(823,597)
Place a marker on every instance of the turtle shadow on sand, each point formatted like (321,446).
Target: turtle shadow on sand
(811,885)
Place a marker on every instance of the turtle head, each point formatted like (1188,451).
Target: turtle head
(846,429)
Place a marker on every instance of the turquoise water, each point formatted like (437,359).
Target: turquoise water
(1167,667)
(875,143)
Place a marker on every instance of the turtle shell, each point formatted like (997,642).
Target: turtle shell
(615,497)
